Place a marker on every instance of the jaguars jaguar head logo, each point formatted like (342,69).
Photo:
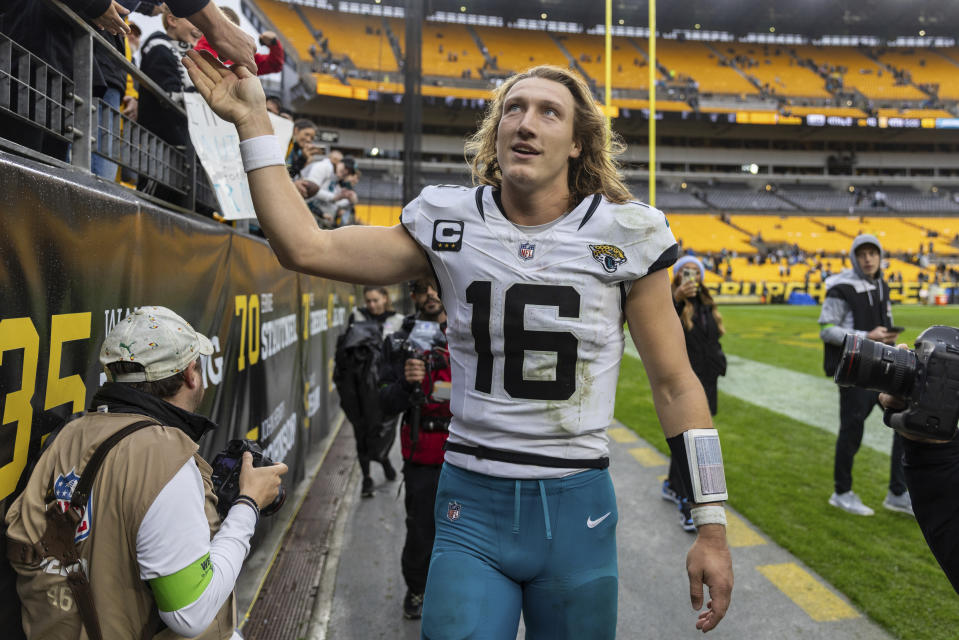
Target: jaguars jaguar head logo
(608,255)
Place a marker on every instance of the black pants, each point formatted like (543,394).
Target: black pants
(855,406)
(373,442)
(932,474)
(421,481)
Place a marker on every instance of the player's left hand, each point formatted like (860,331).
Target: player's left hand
(709,562)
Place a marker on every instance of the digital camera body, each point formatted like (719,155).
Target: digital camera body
(927,379)
(226,476)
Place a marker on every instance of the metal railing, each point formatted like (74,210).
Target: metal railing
(35,93)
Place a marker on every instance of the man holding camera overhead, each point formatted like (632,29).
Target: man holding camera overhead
(416,382)
(857,302)
(144,534)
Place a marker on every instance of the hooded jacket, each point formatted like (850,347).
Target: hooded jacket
(854,304)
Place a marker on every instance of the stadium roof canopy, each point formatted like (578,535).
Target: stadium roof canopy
(812,18)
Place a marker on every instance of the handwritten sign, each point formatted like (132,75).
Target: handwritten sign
(218,147)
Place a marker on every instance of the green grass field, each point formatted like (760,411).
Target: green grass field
(779,473)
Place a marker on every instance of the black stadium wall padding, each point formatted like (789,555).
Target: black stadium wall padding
(78,254)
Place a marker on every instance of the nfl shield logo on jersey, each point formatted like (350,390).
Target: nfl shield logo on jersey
(453,511)
(526,250)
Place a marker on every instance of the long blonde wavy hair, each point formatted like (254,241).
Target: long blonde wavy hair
(594,171)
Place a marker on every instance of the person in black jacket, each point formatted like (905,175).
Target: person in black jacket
(702,326)
(422,435)
(931,470)
(857,303)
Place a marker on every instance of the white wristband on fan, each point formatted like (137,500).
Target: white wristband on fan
(261,151)
(708,515)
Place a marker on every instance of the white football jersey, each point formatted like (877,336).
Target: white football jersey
(535,318)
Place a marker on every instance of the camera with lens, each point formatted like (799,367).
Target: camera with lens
(927,379)
(226,476)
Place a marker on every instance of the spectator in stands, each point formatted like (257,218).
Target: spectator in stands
(857,303)
(162,53)
(422,434)
(274,105)
(304,131)
(330,195)
(703,327)
(271,62)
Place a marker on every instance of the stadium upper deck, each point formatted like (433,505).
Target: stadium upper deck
(781,79)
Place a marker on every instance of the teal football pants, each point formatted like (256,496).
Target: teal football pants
(546,547)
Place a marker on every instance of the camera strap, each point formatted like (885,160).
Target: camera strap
(57,540)
(531,459)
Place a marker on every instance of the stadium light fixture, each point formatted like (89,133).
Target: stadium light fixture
(935,189)
(697,26)
(754,168)
(375,151)
(772,29)
(682,186)
(621,22)
(543,16)
(462,9)
(922,32)
(852,189)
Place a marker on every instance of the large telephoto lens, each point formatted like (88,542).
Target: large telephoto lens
(873,365)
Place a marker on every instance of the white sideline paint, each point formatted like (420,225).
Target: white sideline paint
(813,400)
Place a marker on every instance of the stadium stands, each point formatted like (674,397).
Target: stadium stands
(289,25)
(361,38)
(926,66)
(699,62)
(516,50)
(708,234)
(856,70)
(735,197)
(809,235)
(817,198)
(772,65)
(629,69)
(448,50)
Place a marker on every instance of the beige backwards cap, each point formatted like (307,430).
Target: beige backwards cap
(155,337)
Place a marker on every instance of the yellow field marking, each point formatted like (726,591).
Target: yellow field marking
(622,434)
(649,457)
(821,604)
(797,343)
(738,533)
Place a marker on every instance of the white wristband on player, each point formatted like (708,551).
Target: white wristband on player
(261,151)
(708,515)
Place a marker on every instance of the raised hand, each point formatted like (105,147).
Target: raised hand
(234,94)
(111,20)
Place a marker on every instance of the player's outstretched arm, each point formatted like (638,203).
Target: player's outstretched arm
(681,405)
(370,255)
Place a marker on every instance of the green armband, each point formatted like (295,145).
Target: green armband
(184,587)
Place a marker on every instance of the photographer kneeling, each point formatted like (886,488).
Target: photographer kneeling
(920,395)
(112,534)
(416,381)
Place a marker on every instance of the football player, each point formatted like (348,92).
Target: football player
(537,268)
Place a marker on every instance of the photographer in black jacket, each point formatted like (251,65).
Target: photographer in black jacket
(413,382)
(932,475)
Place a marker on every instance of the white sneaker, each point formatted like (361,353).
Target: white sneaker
(901,503)
(850,502)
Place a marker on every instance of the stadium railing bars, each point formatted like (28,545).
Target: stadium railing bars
(35,93)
